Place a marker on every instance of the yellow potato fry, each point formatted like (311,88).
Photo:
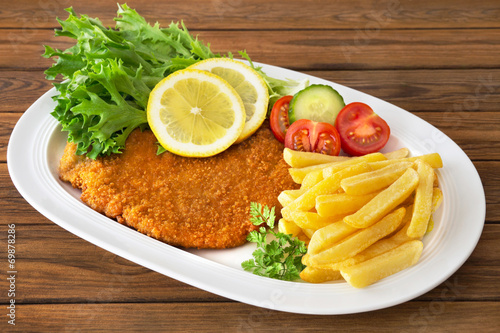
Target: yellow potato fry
(341,204)
(301,159)
(375,180)
(434,160)
(328,236)
(385,201)
(286,214)
(436,179)
(298,174)
(311,179)
(327,186)
(288,227)
(376,249)
(319,275)
(287,196)
(430,225)
(329,170)
(384,265)
(406,219)
(422,208)
(400,153)
(360,240)
(308,232)
(305,259)
(303,237)
(437,198)
(310,220)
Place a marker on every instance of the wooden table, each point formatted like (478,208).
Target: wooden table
(440,60)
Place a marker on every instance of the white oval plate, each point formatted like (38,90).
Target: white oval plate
(37,143)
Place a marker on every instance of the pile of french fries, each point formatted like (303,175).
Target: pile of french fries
(362,218)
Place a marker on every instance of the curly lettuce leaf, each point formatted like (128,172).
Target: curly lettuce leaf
(108,74)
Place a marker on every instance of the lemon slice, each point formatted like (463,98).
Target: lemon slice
(249,85)
(195,113)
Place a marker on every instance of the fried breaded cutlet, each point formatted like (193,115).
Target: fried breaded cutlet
(188,202)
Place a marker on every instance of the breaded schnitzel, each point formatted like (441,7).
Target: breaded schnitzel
(188,202)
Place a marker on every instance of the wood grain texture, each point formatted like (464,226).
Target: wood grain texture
(303,50)
(237,317)
(269,15)
(437,90)
(437,59)
(48,251)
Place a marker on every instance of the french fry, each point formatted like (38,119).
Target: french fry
(366,273)
(406,219)
(400,153)
(437,198)
(287,196)
(329,170)
(430,225)
(327,236)
(311,179)
(436,179)
(376,249)
(434,160)
(319,275)
(355,214)
(422,208)
(360,240)
(288,227)
(385,201)
(341,204)
(310,220)
(301,159)
(298,174)
(308,232)
(373,181)
(327,186)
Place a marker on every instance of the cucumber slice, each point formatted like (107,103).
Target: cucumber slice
(318,102)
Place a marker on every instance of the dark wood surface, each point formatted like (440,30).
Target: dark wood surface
(439,60)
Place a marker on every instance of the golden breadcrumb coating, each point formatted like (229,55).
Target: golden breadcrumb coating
(188,202)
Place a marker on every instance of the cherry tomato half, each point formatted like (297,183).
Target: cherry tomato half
(361,130)
(311,136)
(279,117)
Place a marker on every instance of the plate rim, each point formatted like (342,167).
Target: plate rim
(211,270)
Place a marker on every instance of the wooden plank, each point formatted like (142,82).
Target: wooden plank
(321,50)
(440,90)
(237,317)
(46,255)
(262,14)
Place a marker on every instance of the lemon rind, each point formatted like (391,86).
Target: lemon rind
(190,149)
(261,105)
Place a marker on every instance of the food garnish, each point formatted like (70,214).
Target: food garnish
(311,136)
(318,102)
(279,117)
(281,257)
(361,130)
(109,73)
(195,113)
(248,84)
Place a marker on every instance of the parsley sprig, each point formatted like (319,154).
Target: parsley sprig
(279,259)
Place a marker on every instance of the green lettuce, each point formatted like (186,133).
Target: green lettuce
(106,77)
(108,74)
